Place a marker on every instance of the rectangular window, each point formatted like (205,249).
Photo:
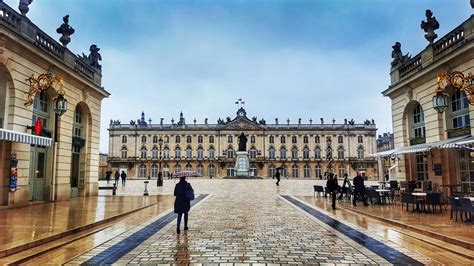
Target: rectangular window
(211,154)
(421,166)
(307,172)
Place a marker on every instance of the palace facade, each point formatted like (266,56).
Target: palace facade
(301,150)
(49,150)
(432,110)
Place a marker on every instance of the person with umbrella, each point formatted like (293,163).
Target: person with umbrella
(184,193)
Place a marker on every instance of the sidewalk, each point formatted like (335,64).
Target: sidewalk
(30,226)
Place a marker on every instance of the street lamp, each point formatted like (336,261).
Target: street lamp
(440,100)
(159,182)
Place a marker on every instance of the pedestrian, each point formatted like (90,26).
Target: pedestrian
(346,183)
(107,176)
(359,189)
(123,175)
(332,186)
(117,178)
(277,176)
(182,203)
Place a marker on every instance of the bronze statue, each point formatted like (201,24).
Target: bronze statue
(242,142)
(429,26)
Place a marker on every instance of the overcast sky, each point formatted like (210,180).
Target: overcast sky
(286,59)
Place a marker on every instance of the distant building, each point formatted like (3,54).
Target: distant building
(103,165)
(385,142)
(299,149)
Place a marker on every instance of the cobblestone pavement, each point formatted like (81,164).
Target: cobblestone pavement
(247,221)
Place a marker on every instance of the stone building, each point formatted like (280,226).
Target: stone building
(385,142)
(36,73)
(301,150)
(432,109)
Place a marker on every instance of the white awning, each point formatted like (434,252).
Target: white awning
(382,154)
(442,144)
(9,135)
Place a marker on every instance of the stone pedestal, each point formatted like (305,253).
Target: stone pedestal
(242,165)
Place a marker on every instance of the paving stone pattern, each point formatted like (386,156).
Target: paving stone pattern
(244,222)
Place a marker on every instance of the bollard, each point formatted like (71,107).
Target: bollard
(145,193)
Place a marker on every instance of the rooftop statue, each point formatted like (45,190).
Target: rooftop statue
(23,6)
(65,30)
(398,57)
(429,26)
(93,58)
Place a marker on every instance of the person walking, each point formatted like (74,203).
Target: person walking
(123,175)
(182,203)
(359,188)
(277,176)
(345,186)
(332,186)
(117,178)
(107,176)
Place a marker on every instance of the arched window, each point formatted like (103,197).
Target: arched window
(154,170)
(211,139)
(271,153)
(230,170)
(199,139)
(305,153)
(306,171)
(211,170)
(142,171)
(124,139)
(155,139)
(283,153)
(167,139)
(418,122)
(200,169)
(178,139)
(316,139)
(143,153)
(154,153)
(177,168)
(253,153)
(166,170)
(177,153)
(230,153)
(340,153)
(340,139)
(200,153)
(305,139)
(360,139)
(460,110)
(189,167)
(294,139)
(271,139)
(211,153)
(124,152)
(166,152)
(282,139)
(189,153)
(360,152)
(294,171)
(271,170)
(319,172)
(189,139)
(294,153)
(284,171)
(317,153)
(252,139)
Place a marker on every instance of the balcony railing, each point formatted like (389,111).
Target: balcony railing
(458,132)
(418,140)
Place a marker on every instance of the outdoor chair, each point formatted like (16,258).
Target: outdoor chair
(372,194)
(455,207)
(318,189)
(407,198)
(393,184)
(466,209)
(433,199)
(411,186)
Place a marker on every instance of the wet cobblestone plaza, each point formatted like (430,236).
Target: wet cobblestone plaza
(254,221)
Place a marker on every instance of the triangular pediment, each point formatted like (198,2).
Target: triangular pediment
(243,123)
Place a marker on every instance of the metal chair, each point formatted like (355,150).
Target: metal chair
(433,199)
(455,207)
(318,189)
(466,208)
(407,198)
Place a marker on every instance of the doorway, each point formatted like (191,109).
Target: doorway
(37,173)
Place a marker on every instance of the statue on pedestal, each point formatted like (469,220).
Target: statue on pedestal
(429,26)
(66,31)
(242,142)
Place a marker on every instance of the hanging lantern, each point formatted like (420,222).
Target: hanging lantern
(60,105)
(440,102)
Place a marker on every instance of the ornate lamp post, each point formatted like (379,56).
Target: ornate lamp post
(160,174)
(452,81)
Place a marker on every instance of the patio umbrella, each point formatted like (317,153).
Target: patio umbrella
(187,173)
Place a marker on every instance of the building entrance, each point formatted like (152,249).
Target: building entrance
(37,173)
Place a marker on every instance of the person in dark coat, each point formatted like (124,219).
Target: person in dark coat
(117,178)
(332,188)
(107,176)
(182,204)
(277,176)
(123,175)
(359,189)
(345,185)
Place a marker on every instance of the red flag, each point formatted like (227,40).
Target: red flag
(38,127)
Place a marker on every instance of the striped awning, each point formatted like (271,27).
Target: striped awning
(382,154)
(9,135)
(441,144)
